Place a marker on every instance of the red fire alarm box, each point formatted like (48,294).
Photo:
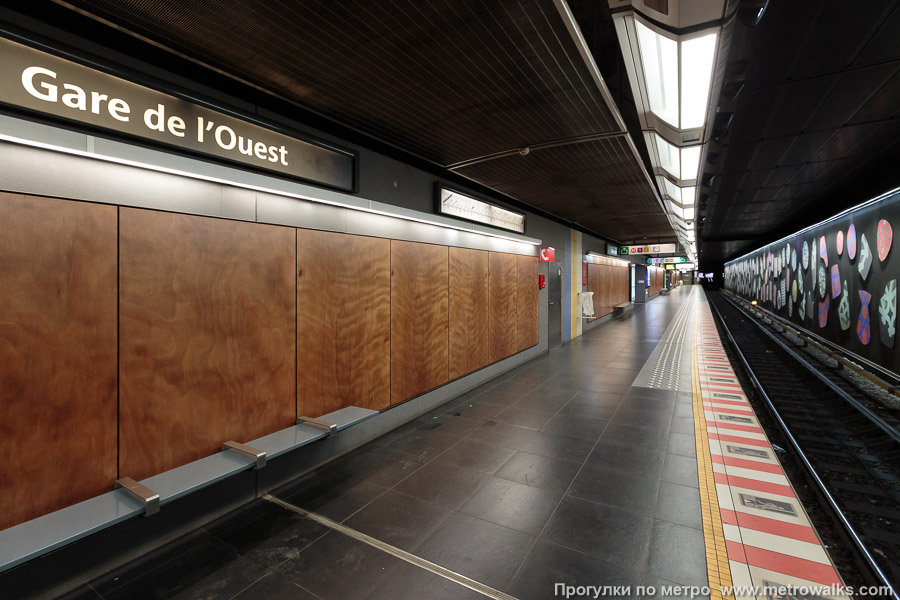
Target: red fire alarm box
(542,282)
(548,254)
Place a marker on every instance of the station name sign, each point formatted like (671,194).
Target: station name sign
(650,249)
(39,82)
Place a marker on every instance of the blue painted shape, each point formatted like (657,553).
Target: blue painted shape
(34,538)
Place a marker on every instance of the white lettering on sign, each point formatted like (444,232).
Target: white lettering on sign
(42,84)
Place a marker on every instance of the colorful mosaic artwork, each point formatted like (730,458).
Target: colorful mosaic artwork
(823,250)
(865,257)
(863,327)
(887,313)
(844,310)
(835,281)
(839,242)
(851,242)
(805,255)
(884,238)
(823,312)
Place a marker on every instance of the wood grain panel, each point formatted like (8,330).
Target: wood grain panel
(207,336)
(526,302)
(343,322)
(469,299)
(420,358)
(57,354)
(503,305)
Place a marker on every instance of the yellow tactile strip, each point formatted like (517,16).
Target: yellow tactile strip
(718,571)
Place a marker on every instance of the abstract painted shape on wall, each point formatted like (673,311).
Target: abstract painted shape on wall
(863,327)
(865,257)
(794,259)
(887,312)
(809,305)
(794,291)
(822,282)
(844,310)
(800,285)
(823,312)
(823,250)
(835,281)
(885,237)
(851,242)
(805,254)
(839,242)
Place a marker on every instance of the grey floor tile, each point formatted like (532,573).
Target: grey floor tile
(410,582)
(682,444)
(523,417)
(400,520)
(602,531)
(539,471)
(677,553)
(423,443)
(338,567)
(478,410)
(275,587)
(381,466)
(452,425)
(514,505)
(556,445)
(628,491)
(679,504)
(683,425)
(478,456)
(478,549)
(638,458)
(443,484)
(574,426)
(681,470)
(626,435)
(643,418)
(336,496)
(549,564)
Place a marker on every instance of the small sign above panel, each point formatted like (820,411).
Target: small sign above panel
(649,249)
(462,206)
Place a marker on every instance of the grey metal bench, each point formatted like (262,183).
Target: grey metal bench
(39,536)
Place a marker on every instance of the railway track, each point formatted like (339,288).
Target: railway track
(847,444)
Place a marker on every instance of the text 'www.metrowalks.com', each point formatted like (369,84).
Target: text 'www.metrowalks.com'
(772,592)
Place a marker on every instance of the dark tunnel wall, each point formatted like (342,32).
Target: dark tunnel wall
(837,279)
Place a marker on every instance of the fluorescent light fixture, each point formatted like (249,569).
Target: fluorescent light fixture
(681,163)
(151,167)
(689,214)
(660,59)
(676,210)
(696,73)
(682,104)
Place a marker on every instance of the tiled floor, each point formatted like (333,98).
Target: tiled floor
(557,472)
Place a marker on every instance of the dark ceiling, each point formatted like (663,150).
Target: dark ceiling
(815,127)
(465,85)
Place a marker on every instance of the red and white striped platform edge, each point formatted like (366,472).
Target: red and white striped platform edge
(768,535)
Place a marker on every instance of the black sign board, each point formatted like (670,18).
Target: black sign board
(46,84)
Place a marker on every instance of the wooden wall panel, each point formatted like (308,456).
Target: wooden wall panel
(527,298)
(207,336)
(420,358)
(503,305)
(469,300)
(343,322)
(57,354)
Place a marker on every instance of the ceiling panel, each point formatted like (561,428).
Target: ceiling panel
(813,127)
(593,182)
(451,82)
